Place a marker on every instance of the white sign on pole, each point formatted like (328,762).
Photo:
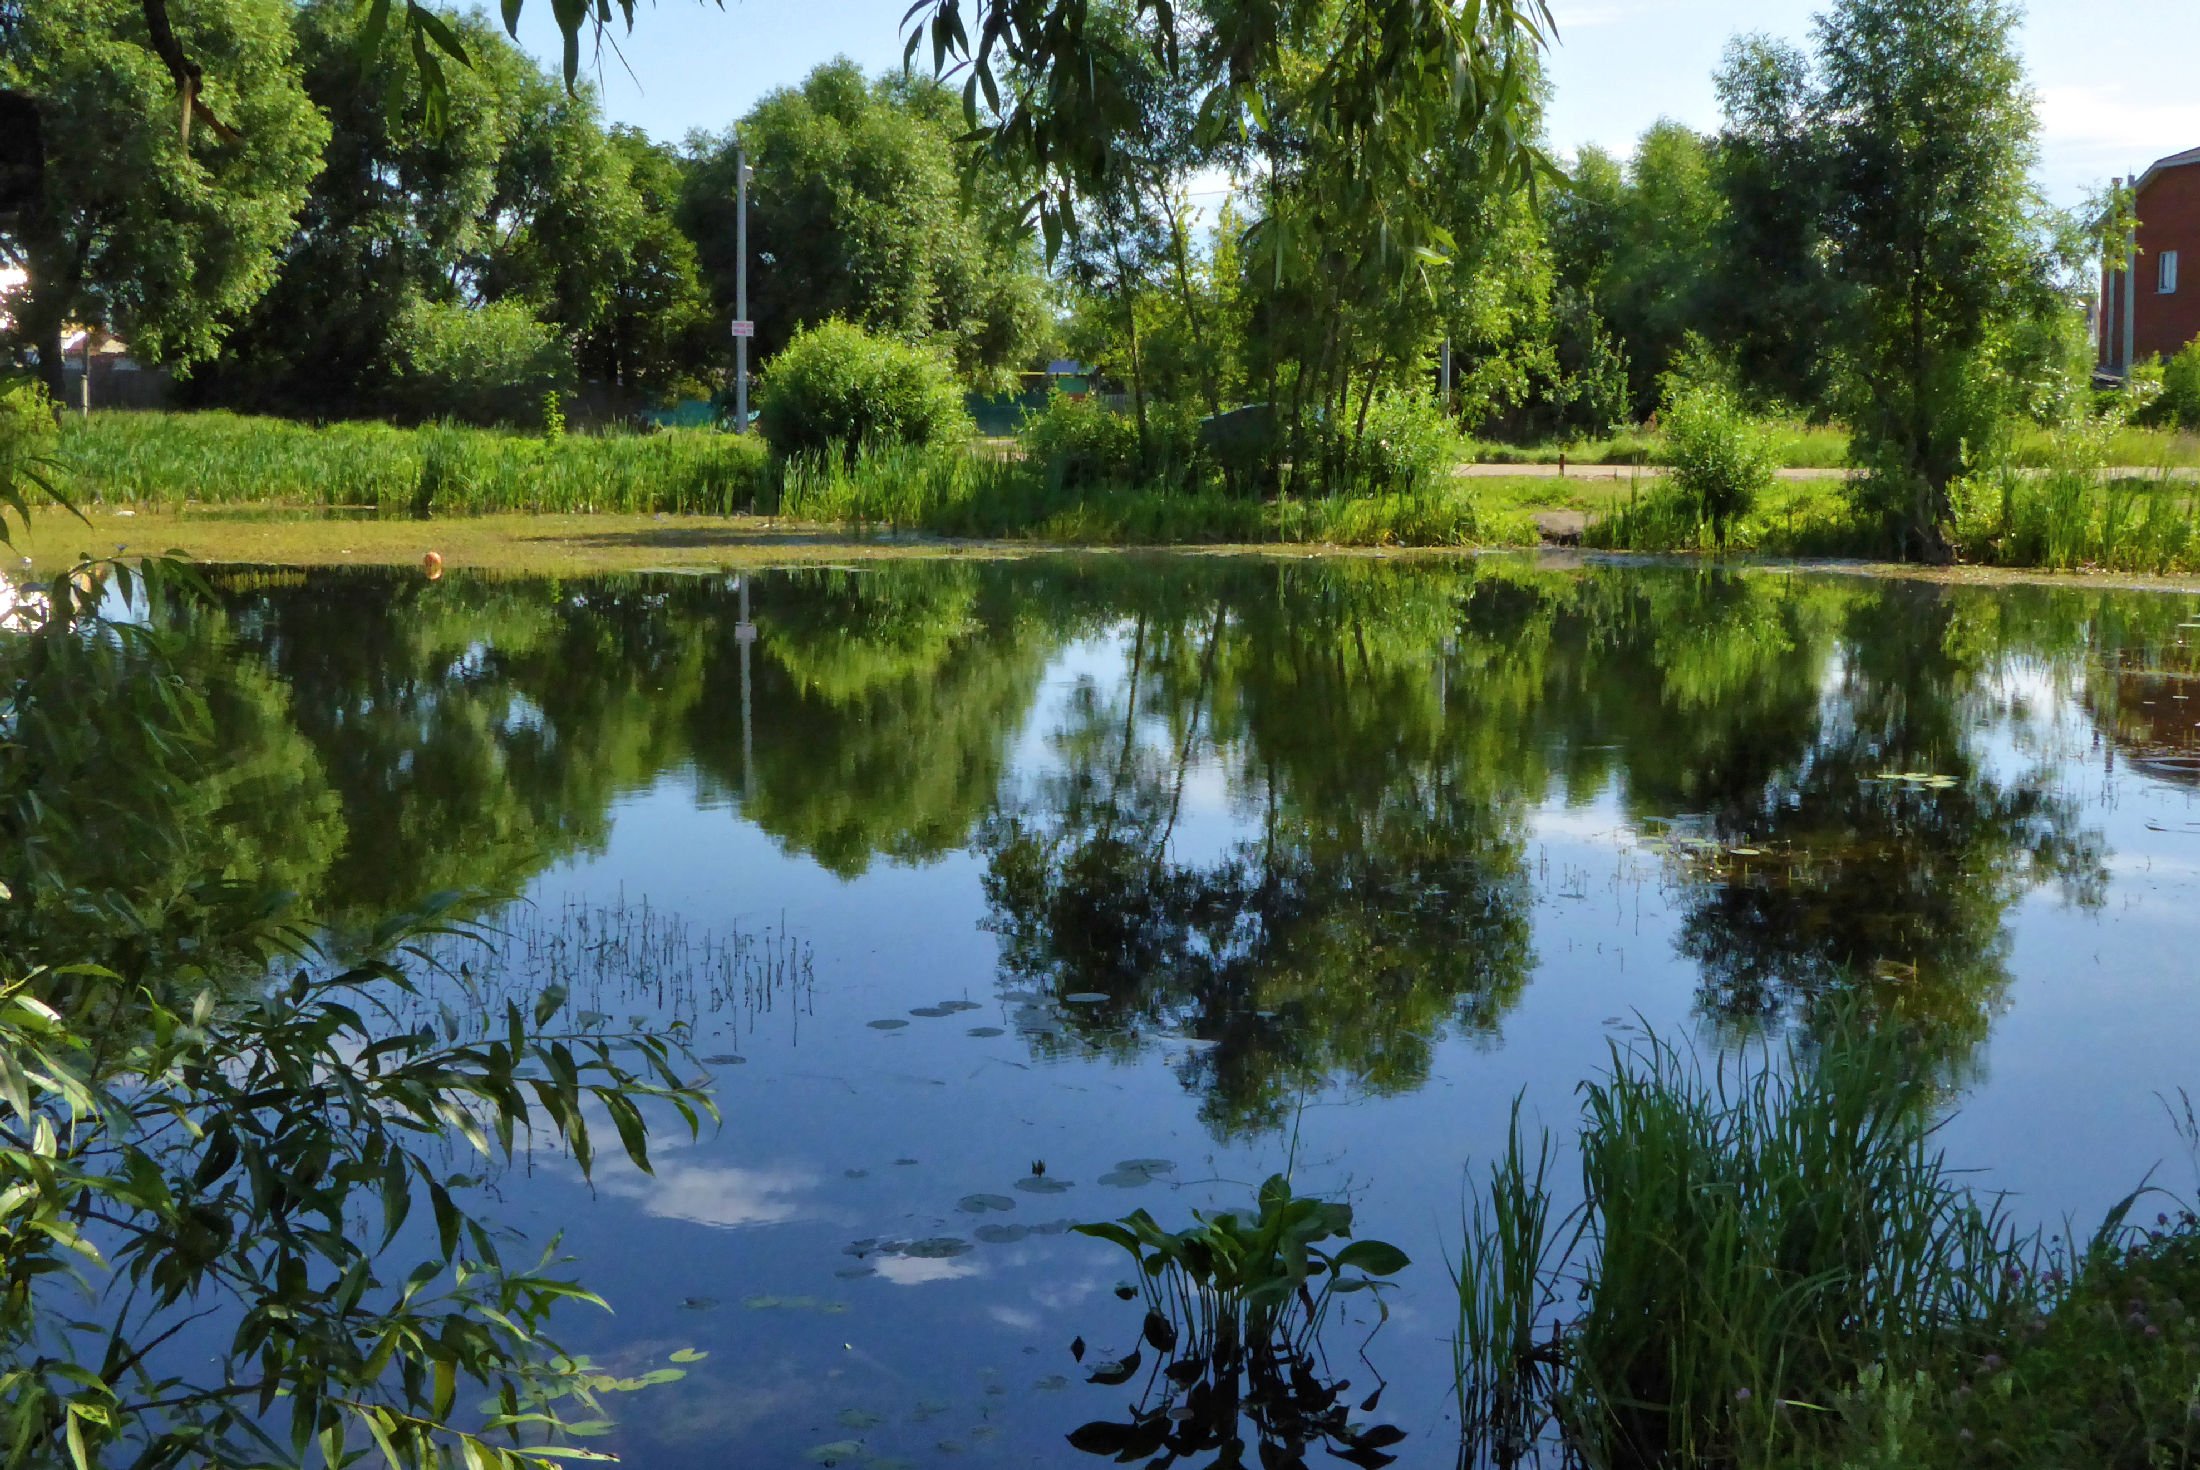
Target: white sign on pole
(744,329)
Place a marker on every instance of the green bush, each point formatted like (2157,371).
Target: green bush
(491,364)
(1719,459)
(28,437)
(837,388)
(1407,447)
(1081,442)
(2178,406)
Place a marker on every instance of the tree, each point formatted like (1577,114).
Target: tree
(163,233)
(1775,303)
(1931,130)
(856,212)
(399,205)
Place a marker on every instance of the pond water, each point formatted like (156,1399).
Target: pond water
(1164,875)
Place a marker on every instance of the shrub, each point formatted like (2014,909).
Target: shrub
(1718,458)
(836,387)
(28,436)
(491,364)
(1081,442)
(2178,406)
(1406,448)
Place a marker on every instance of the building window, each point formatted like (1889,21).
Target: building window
(2168,284)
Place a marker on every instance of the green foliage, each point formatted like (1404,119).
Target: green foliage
(2102,1374)
(1405,447)
(399,205)
(836,388)
(162,238)
(1750,1242)
(1932,130)
(856,213)
(227,459)
(1234,1307)
(185,1133)
(1082,442)
(1716,456)
(2069,511)
(492,364)
(2178,406)
(28,440)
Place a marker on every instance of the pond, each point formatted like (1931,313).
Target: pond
(1004,895)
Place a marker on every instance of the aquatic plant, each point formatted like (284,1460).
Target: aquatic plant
(1235,1306)
(1750,1240)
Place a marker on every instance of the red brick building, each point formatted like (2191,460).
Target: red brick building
(2150,300)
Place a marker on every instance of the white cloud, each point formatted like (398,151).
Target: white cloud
(722,1196)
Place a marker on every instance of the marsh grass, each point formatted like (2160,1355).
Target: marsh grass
(221,458)
(1793,444)
(953,492)
(1752,1237)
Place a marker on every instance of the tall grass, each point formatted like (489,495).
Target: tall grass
(956,493)
(1751,1239)
(226,459)
(1794,445)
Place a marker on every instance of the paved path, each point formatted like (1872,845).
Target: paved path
(1647,471)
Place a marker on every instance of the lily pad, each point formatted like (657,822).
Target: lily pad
(959,1005)
(1043,1184)
(1001,1234)
(725,1059)
(860,1419)
(839,1452)
(930,1012)
(1086,998)
(888,1023)
(978,1204)
(937,1247)
(987,1031)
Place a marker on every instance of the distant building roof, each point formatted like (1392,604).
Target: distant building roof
(2175,160)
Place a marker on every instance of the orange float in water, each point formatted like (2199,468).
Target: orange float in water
(432,564)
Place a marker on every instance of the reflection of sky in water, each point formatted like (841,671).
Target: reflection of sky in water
(777,1241)
(874,1246)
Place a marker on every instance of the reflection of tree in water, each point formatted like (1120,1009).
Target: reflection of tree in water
(1882,855)
(1387,732)
(1380,733)
(883,705)
(158,791)
(1383,897)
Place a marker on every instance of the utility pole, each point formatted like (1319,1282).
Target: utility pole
(743,328)
(1447,373)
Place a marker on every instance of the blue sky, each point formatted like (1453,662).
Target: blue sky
(2115,78)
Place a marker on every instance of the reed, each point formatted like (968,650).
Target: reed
(222,458)
(1751,1238)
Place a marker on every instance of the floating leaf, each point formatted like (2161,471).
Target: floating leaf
(987,1031)
(888,1023)
(1042,1184)
(978,1204)
(1085,998)
(937,1247)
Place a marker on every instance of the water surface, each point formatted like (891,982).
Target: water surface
(1167,874)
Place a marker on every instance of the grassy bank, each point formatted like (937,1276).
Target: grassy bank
(1773,1265)
(1800,446)
(2048,520)
(159,459)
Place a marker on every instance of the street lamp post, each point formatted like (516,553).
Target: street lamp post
(742,327)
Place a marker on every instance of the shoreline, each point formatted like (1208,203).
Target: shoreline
(585,544)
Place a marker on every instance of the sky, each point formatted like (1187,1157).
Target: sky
(2114,78)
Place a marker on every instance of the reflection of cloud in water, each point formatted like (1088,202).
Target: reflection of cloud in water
(1015,1318)
(915,1271)
(718,1195)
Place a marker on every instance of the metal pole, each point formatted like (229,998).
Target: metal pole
(741,295)
(1447,374)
